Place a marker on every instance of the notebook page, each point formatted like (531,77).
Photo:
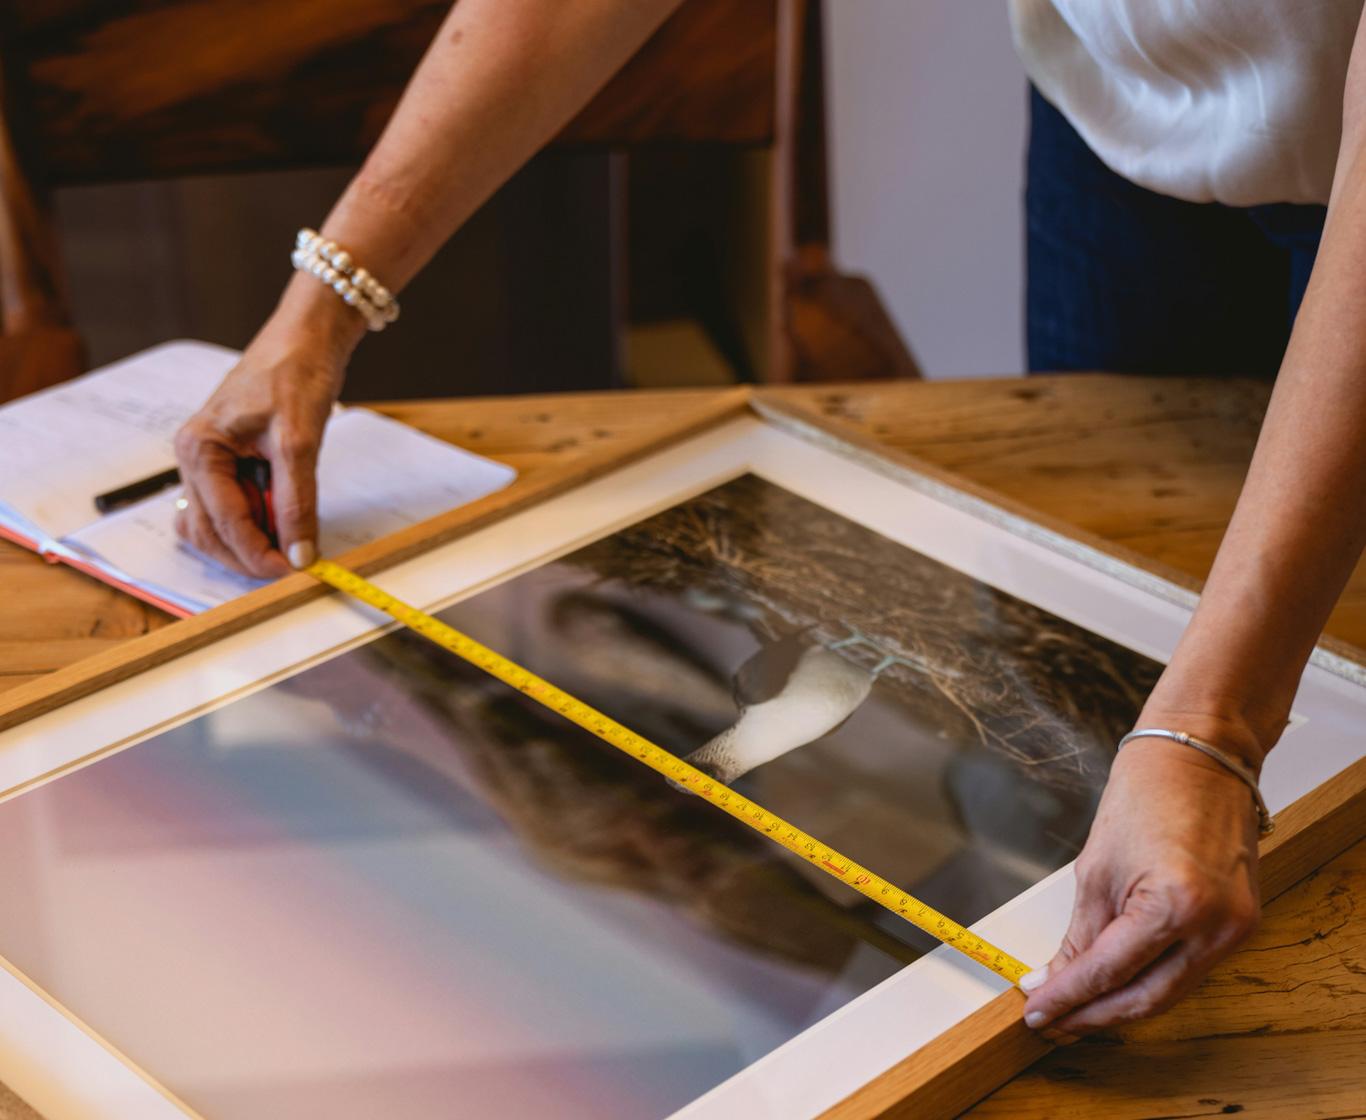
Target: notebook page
(375,476)
(62,446)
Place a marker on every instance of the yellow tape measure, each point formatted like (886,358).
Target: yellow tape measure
(671,766)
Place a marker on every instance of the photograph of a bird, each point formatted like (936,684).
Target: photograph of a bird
(790,694)
(968,662)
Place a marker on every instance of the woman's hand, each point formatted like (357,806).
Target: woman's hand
(274,405)
(497,82)
(1166,887)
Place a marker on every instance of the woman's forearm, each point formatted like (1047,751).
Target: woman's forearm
(498,81)
(1300,523)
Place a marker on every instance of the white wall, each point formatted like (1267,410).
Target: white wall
(927,123)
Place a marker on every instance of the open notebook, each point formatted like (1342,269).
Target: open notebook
(114,426)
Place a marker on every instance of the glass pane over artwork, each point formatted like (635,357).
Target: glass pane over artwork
(391,886)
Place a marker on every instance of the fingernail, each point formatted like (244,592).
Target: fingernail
(1034,1020)
(302,554)
(1034,978)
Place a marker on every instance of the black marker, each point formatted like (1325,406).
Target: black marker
(136,491)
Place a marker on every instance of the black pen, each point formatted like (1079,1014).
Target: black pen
(136,491)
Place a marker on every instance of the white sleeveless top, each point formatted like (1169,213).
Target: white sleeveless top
(1233,101)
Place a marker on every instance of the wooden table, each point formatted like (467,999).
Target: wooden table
(1279,1030)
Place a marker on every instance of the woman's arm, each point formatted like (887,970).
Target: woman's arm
(499,80)
(1167,884)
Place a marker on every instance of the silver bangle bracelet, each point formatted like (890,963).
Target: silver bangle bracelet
(1265,823)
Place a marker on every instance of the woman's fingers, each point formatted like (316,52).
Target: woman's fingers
(1091,913)
(1150,992)
(293,466)
(1128,944)
(219,521)
(226,507)
(195,528)
(1152,954)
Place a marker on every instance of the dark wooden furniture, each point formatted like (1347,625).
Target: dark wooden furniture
(95,91)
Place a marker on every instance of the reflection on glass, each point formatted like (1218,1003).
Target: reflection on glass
(392,887)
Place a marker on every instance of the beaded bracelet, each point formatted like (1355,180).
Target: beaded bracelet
(1265,823)
(333,266)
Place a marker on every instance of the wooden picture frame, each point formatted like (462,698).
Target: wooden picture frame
(986,1048)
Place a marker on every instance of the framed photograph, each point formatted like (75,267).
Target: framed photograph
(293,861)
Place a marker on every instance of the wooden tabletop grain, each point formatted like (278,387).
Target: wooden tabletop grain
(1279,1030)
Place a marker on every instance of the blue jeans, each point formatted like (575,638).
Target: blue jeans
(1121,278)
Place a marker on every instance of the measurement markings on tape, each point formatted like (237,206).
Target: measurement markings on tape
(866,882)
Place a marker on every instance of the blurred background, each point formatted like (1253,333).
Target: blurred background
(772,190)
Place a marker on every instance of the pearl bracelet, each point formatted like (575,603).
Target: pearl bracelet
(1265,823)
(333,266)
